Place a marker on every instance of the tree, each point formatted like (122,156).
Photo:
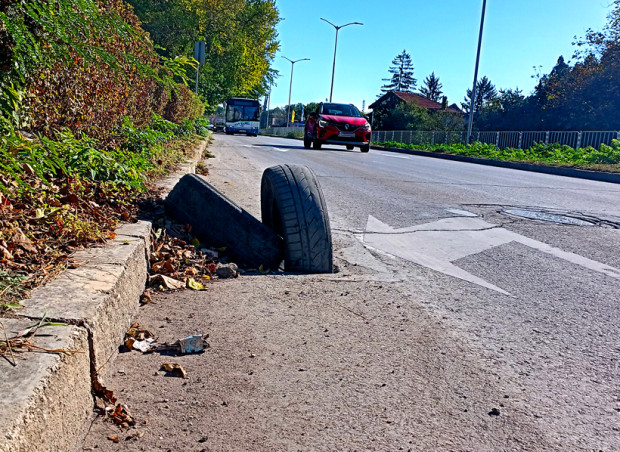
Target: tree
(485,93)
(507,111)
(402,75)
(240,39)
(411,116)
(432,88)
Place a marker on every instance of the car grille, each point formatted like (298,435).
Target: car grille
(342,128)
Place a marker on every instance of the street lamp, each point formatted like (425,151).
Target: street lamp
(291,85)
(473,91)
(337,27)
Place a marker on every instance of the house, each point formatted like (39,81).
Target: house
(386,104)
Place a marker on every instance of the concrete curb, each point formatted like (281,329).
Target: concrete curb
(601,176)
(47,398)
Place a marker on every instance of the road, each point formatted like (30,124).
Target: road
(451,325)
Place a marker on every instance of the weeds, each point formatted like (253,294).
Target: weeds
(64,193)
(607,158)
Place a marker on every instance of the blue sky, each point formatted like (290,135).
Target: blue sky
(440,36)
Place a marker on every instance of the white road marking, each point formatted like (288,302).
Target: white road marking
(462,213)
(394,156)
(436,245)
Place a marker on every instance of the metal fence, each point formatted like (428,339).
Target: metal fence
(520,140)
(289,132)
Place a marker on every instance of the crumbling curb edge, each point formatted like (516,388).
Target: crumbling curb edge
(46,409)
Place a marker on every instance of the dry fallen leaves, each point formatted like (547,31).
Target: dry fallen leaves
(175,369)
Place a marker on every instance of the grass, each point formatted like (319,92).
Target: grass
(605,159)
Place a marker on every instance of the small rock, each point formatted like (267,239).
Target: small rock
(227,271)
(494,412)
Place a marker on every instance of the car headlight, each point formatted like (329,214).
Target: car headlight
(322,123)
(367,126)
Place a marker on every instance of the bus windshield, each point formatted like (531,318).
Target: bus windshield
(236,112)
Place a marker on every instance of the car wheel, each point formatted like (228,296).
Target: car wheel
(217,221)
(307,141)
(350,146)
(316,143)
(365,148)
(292,204)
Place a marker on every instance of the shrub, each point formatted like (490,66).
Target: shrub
(184,105)
(79,64)
(202,126)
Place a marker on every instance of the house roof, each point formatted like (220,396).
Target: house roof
(417,99)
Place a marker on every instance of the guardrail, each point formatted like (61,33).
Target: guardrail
(520,139)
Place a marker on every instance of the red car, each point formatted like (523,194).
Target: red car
(337,124)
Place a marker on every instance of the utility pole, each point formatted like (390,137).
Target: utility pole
(199,55)
(473,91)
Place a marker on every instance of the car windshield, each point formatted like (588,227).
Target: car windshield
(340,110)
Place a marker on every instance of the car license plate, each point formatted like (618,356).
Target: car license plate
(346,134)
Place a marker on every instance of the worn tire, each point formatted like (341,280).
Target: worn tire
(316,143)
(292,204)
(217,221)
(365,148)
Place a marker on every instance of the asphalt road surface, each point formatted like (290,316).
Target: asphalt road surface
(476,308)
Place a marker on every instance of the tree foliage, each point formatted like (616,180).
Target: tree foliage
(584,95)
(402,75)
(431,89)
(240,39)
(81,65)
(410,116)
(485,93)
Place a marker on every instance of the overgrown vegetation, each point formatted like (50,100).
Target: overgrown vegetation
(89,113)
(583,94)
(240,38)
(607,158)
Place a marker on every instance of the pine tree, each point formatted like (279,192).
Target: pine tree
(432,88)
(402,75)
(485,92)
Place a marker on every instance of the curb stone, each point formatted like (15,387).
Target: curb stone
(47,398)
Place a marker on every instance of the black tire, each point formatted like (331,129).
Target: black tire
(350,146)
(365,148)
(292,204)
(316,143)
(217,221)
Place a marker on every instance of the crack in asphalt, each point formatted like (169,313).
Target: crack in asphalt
(500,226)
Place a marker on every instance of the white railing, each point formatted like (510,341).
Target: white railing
(520,140)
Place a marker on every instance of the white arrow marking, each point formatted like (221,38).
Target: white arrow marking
(436,245)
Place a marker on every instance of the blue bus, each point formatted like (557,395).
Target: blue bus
(242,116)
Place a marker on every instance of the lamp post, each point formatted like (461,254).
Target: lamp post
(337,27)
(473,91)
(291,85)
